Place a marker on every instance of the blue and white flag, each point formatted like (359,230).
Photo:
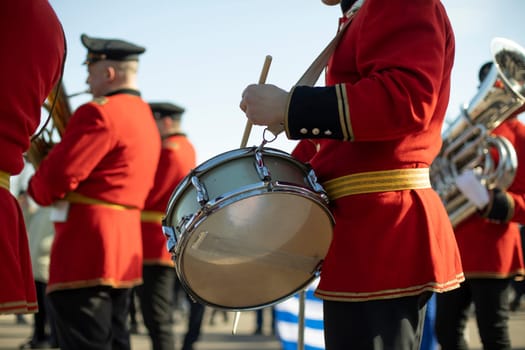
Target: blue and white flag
(287,318)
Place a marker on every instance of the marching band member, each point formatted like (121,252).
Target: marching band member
(491,253)
(376,128)
(98,178)
(177,158)
(34,52)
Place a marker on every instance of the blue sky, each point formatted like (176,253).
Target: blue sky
(202,54)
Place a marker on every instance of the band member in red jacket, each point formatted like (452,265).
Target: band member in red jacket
(177,158)
(34,51)
(376,127)
(98,178)
(491,253)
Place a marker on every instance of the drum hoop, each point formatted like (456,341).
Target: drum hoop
(241,153)
(220,160)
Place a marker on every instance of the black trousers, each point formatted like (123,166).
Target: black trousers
(91,318)
(491,302)
(391,324)
(194,324)
(44,328)
(156,302)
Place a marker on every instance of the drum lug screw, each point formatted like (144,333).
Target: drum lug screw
(262,170)
(202,193)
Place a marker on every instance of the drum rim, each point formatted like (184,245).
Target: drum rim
(218,160)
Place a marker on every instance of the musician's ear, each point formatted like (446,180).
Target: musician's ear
(110,73)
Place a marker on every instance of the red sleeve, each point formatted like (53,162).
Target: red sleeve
(388,77)
(86,140)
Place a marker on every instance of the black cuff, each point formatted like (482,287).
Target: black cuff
(500,208)
(318,112)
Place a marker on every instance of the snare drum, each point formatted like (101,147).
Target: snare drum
(248,228)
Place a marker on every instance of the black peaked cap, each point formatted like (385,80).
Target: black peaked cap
(166,109)
(110,49)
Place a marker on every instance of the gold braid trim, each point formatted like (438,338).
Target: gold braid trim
(377,181)
(4,180)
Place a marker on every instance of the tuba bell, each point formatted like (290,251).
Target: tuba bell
(468,143)
(59,109)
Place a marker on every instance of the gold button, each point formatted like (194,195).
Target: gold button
(303,131)
(316,131)
(328,132)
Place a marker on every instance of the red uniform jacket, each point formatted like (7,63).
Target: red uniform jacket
(387,90)
(33,53)
(493,250)
(177,158)
(109,152)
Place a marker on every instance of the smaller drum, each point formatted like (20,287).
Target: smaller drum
(248,228)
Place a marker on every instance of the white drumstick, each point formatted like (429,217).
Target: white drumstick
(236,322)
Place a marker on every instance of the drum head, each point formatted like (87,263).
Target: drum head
(256,251)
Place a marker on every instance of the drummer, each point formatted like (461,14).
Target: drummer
(371,134)
(98,178)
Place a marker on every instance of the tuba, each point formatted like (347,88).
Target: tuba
(59,109)
(468,143)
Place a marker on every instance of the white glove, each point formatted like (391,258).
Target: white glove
(472,188)
(59,211)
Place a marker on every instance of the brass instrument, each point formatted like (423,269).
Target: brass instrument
(467,142)
(57,105)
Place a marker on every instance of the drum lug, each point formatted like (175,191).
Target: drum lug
(317,270)
(262,170)
(181,225)
(312,180)
(171,238)
(202,193)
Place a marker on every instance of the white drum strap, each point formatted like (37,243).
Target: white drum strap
(313,72)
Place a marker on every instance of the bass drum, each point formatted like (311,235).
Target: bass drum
(248,228)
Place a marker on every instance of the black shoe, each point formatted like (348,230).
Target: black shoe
(258,332)
(20,319)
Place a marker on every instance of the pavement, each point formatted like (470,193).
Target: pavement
(218,336)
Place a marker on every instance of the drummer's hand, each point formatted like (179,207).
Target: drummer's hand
(264,104)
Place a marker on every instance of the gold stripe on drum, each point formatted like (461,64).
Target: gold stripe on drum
(4,180)
(151,216)
(73,197)
(377,181)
